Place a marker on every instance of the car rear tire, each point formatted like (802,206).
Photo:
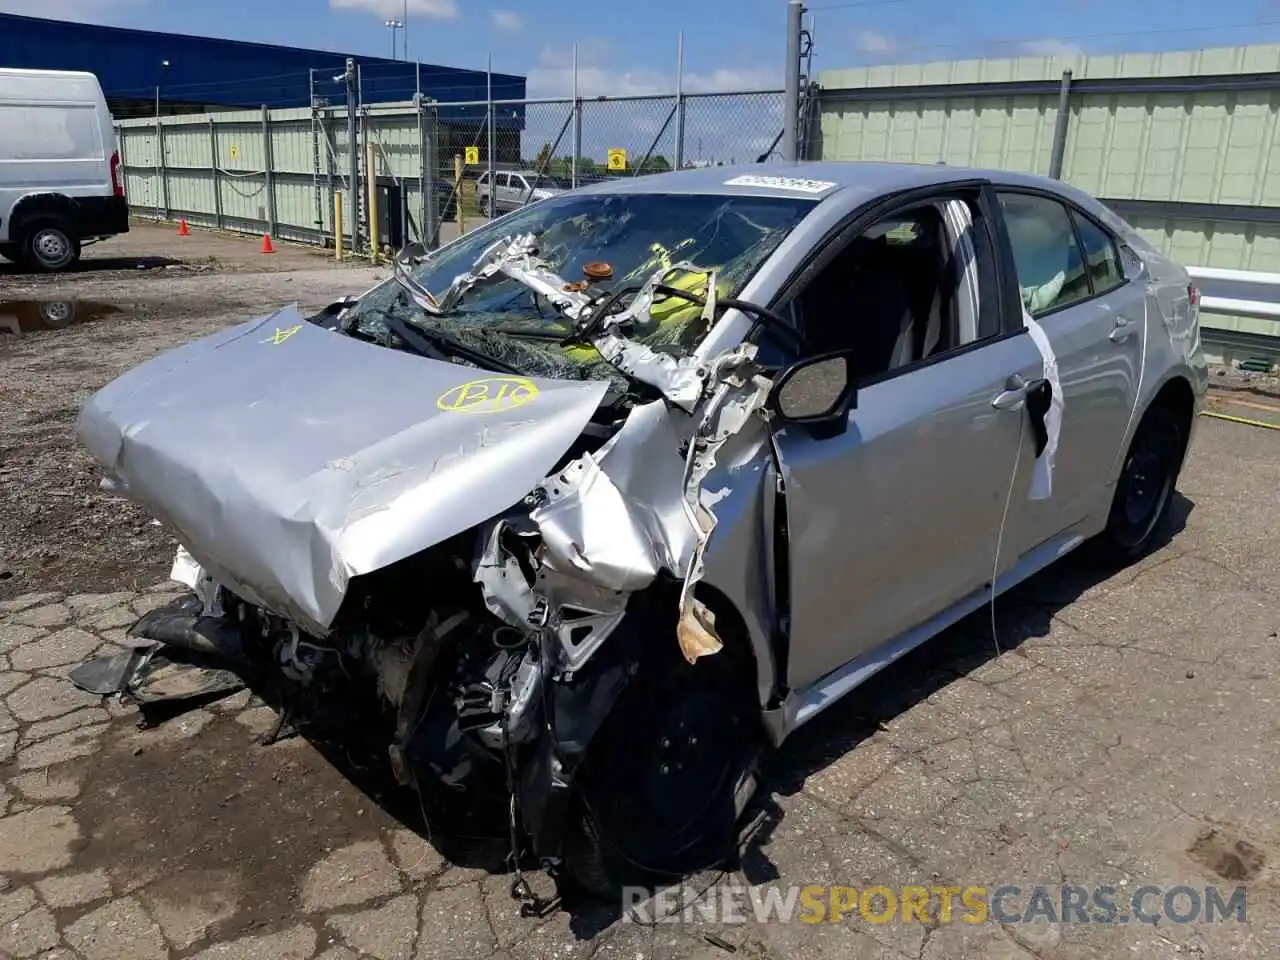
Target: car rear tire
(1144,490)
(659,794)
(48,246)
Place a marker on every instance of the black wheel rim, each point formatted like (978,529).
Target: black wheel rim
(656,802)
(1145,486)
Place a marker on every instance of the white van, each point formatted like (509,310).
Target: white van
(60,179)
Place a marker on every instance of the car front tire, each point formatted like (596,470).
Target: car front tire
(661,790)
(48,246)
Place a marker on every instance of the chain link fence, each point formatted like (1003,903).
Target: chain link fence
(421,168)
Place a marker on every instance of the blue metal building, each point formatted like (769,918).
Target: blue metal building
(199,73)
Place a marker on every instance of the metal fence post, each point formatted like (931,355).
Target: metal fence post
(424,208)
(492,118)
(268,161)
(213,166)
(1061,123)
(432,214)
(577,123)
(680,103)
(162,195)
(353,159)
(791,116)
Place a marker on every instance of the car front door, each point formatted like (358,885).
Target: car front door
(520,190)
(1073,284)
(506,191)
(897,518)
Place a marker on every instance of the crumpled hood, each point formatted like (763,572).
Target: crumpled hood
(290,458)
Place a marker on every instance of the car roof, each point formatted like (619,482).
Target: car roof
(851,181)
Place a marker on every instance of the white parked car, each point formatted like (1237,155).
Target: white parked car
(513,189)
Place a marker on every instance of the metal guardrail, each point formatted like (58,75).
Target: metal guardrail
(1240,306)
(1240,295)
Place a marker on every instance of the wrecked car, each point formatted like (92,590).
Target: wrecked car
(615,492)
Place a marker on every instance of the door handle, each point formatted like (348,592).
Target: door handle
(1122,330)
(1013,396)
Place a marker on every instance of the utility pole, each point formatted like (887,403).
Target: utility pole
(353,157)
(405,28)
(791,117)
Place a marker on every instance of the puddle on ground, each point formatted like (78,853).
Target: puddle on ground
(30,316)
(1228,856)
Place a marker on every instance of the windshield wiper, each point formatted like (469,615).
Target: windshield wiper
(444,343)
(439,346)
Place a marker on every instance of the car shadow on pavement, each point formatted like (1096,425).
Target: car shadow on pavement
(1023,613)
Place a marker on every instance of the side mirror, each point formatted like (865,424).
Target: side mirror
(819,392)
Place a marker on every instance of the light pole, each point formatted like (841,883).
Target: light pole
(394,25)
(164,72)
(405,28)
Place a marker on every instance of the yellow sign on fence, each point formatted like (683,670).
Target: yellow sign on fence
(235,151)
(473,156)
(617,158)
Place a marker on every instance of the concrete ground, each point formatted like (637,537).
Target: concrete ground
(1123,734)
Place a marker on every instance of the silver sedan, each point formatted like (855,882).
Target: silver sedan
(610,495)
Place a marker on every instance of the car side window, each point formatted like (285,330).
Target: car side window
(1051,268)
(483,179)
(1102,259)
(519,182)
(910,288)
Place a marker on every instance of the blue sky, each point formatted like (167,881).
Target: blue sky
(631,47)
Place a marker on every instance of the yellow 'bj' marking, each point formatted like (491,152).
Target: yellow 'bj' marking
(490,395)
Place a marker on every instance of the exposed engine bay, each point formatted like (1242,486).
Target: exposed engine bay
(497,652)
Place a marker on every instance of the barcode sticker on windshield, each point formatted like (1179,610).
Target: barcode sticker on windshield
(781,183)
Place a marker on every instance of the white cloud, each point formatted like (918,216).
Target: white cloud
(508,20)
(435,9)
(1050,48)
(874,42)
(599,76)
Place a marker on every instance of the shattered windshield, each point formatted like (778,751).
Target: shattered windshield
(633,235)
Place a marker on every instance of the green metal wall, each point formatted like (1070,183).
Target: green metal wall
(214,170)
(1209,146)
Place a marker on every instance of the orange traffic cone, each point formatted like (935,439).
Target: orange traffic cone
(183,229)
(266,244)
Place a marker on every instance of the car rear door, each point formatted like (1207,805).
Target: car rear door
(1073,284)
(898,518)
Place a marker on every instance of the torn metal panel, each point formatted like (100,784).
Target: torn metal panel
(615,519)
(679,379)
(187,570)
(347,456)
(588,530)
(740,397)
